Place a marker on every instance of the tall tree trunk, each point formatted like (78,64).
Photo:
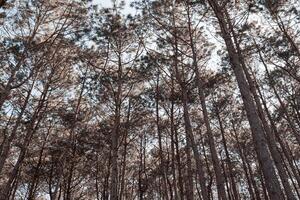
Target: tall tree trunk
(212,146)
(161,157)
(257,130)
(207,164)
(97,179)
(189,185)
(228,159)
(115,134)
(190,137)
(215,159)
(173,143)
(271,142)
(227,184)
(249,175)
(35,179)
(282,145)
(175,74)
(179,166)
(7,142)
(122,186)
(283,106)
(187,123)
(7,187)
(140,180)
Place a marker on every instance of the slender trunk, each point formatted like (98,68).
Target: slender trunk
(197,188)
(141,168)
(53,194)
(175,74)
(189,186)
(161,156)
(207,164)
(122,187)
(173,142)
(105,191)
(190,137)
(254,182)
(226,182)
(35,178)
(179,166)
(7,188)
(15,187)
(271,140)
(168,180)
(212,146)
(263,185)
(68,191)
(228,159)
(248,174)
(7,142)
(115,135)
(257,130)
(114,167)
(187,123)
(283,106)
(97,178)
(282,145)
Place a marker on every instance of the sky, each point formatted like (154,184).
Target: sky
(108,3)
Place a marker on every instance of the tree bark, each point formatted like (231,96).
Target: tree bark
(190,137)
(161,157)
(257,130)
(212,146)
(228,159)
(7,142)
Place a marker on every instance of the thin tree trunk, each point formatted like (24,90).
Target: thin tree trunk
(263,185)
(227,184)
(282,145)
(115,136)
(207,164)
(283,106)
(7,188)
(35,179)
(161,157)
(257,130)
(189,186)
(215,159)
(190,137)
(187,122)
(97,179)
(7,142)
(228,160)
(173,143)
(271,141)
(179,166)
(249,175)
(122,187)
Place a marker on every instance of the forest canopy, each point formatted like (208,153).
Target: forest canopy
(167,100)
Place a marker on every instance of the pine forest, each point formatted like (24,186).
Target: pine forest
(149,100)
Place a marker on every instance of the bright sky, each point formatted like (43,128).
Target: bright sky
(108,3)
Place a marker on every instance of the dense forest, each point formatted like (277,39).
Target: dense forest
(178,100)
